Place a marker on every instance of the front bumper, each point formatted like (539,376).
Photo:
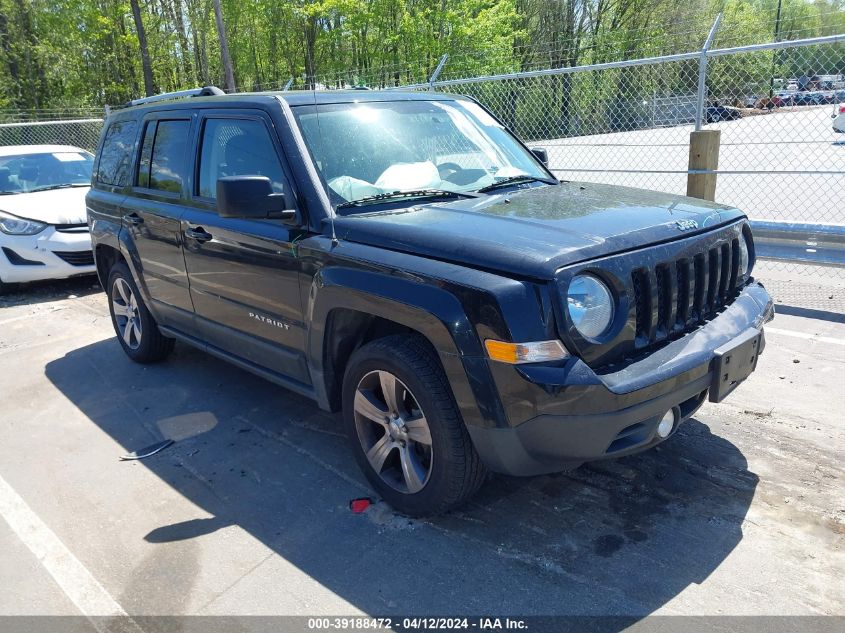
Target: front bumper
(565,415)
(51,254)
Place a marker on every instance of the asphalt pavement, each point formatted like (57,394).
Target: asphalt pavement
(742,512)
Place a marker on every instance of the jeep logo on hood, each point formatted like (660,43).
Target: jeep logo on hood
(686,225)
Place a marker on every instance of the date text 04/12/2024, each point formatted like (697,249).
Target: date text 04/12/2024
(417,624)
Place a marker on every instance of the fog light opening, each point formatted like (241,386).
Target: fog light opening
(667,423)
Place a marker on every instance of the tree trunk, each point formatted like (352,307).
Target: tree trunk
(310,50)
(6,47)
(149,86)
(29,59)
(224,48)
(182,33)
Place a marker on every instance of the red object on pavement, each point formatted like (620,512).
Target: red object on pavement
(360,505)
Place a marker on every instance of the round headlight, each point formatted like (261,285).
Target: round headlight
(590,305)
(744,258)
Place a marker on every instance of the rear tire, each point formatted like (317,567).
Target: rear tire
(136,329)
(414,434)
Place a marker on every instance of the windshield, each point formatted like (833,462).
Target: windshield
(24,173)
(368,149)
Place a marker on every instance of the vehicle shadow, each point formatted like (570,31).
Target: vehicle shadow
(617,538)
(51,290)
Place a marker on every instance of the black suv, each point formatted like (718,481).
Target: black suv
(405,259)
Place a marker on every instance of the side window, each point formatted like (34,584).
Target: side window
(167,167)
(236,147)
(116,154)
(162,162)
(146,153)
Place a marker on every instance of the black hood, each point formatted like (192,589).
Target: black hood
(535,231)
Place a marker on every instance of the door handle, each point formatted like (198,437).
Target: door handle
(133,218)
(199,234)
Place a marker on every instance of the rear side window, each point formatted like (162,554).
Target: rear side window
(116,154)
(146,154)
(162,165)
(237,147)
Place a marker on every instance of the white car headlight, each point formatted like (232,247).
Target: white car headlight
(13,225)
(590,305)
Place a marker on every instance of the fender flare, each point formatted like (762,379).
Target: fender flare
(430,310)
(115,236)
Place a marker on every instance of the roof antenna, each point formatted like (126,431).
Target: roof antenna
(313,82)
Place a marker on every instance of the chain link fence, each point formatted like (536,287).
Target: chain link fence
(780,108)
(82,133)
(629,123)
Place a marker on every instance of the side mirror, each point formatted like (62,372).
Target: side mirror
(541,154)
(250,197)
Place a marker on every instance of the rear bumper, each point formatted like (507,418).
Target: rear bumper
(567,415)
(50,254)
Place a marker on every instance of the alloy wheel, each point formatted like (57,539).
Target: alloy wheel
(393,431)
(126,313)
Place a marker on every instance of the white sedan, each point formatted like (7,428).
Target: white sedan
(43,225)
(839,119)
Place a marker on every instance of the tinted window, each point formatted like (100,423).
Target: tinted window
(116,154)
(146,154)
(236,147)
(167,167)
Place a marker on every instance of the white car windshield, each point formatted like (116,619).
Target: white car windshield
(25,173)
(371,149)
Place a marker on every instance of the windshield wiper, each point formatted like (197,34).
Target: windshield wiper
(515,180)
(394,195)
(66,185)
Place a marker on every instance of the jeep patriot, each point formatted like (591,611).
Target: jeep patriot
(403,258)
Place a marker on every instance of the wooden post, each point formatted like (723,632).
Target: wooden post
(703,155)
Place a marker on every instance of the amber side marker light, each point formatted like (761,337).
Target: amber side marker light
(515,353)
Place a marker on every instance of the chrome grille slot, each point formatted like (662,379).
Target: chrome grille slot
(700,287)
(664,300)
(642,300)
(682,275)
(713,268)
(725,274)
(734,265)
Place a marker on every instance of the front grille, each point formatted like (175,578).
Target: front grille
(76,258)
(677,295)
(71,228)
(664,291)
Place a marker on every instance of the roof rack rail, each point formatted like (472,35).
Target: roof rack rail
(205,91)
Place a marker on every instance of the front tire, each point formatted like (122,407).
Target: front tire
(405,428)
(136,329)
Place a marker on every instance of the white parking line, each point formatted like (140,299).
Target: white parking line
(89,596)
(808,337)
